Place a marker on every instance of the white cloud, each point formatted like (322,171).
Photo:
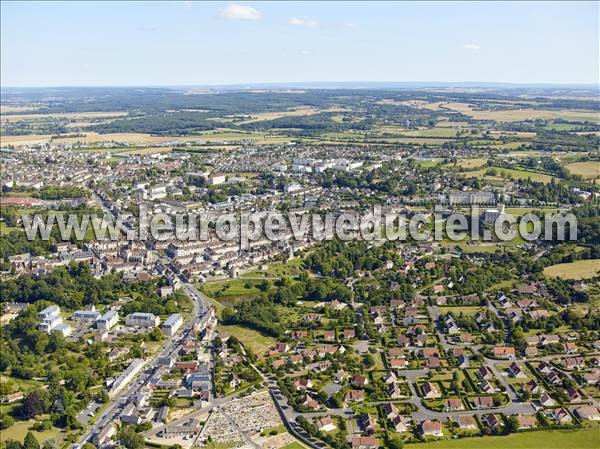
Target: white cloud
(303,22)
(188,4)
(239,12)
(472,46)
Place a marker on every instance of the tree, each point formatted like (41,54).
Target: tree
(513,425)
(6,421)
(34,404)
(393,441)
(12,444)
(155,334)
(131,440)
(30,441)
(88,445)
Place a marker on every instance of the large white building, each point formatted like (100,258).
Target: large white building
(216,180)
(126,376)
(140,319)
(467,198)
(292,187)
(107,321)
(172,324)
(491,215)
(87,316)
(50,320)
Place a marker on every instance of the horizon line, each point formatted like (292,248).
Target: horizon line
(311,84)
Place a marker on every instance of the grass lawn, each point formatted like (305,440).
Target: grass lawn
(427,163)
(252,339)
(471,163)
(280,428)
(21,384)
(580,269)
(294,445)
(520,211)
(19,429)
(579,439)
(458,310)
(231,291)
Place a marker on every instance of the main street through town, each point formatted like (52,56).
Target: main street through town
(111,411)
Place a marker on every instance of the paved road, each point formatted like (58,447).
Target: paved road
(112,410)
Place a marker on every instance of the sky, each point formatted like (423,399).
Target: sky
(218,43)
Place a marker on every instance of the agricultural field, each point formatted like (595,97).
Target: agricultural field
(580,269)
(296,112)
(590,170)
(140,138)
(514,115)
(11,118)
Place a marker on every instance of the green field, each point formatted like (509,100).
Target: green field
(471,163)
(231,291)
(508,173)
(432,132)
(427,163)
(19,429)
(580,269)
(579,439)
(252,339)
(520,211)
(457,310)
(294,445)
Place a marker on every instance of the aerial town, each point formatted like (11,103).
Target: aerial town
(478,327)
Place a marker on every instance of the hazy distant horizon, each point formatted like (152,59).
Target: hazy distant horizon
(327,85)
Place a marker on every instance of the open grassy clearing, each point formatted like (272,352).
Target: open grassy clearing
(580,269)
(232,287)
(433,132)
(498,144)
(471,163)
(353,137)
(509,173)
(21,384)
(589,169)
(428,163)
(438,131)
(254,340)
(520,211)
(550,439)
(294,445)
(19,429)
(460,309)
